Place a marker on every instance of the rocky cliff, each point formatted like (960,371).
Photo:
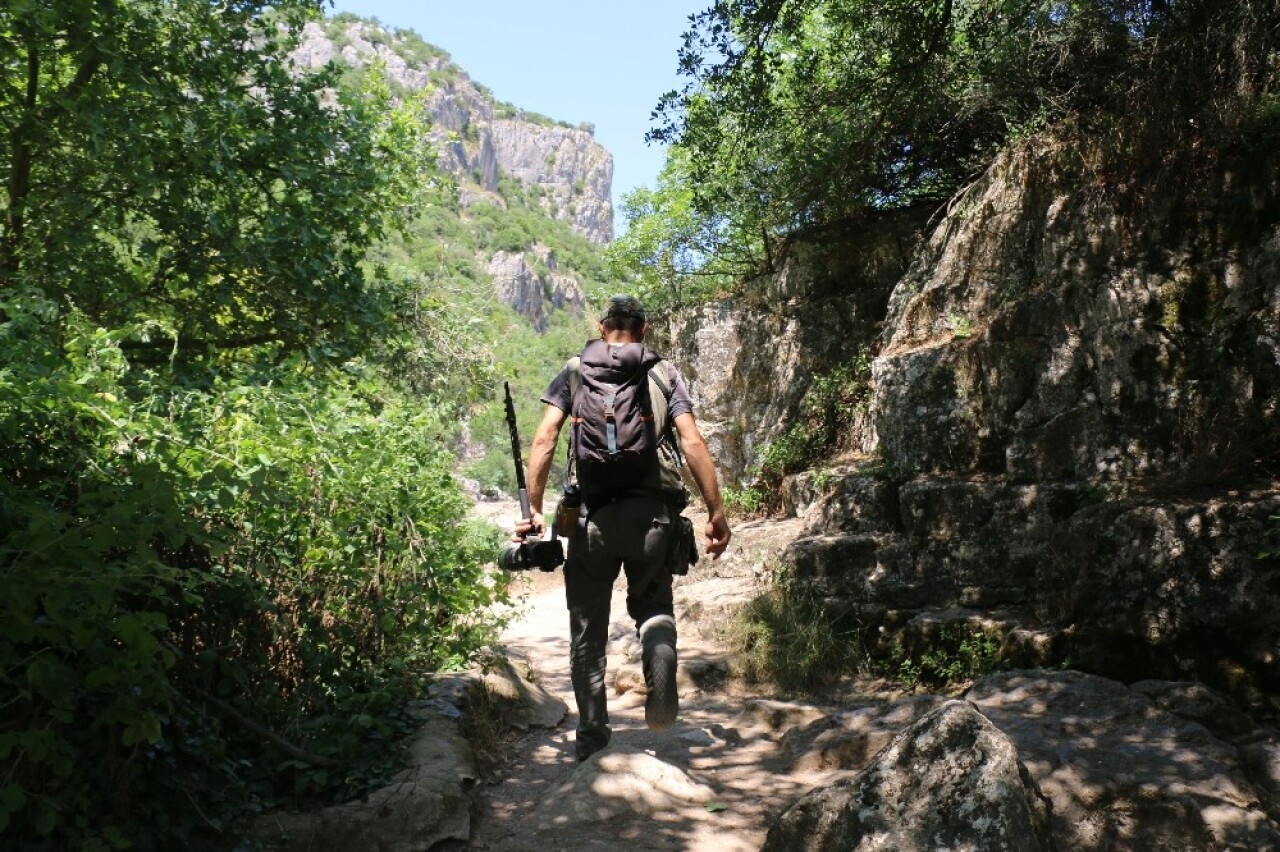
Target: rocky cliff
(535,290)
(478,141)
(1069,426)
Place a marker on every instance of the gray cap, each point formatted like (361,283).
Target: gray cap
(623,306)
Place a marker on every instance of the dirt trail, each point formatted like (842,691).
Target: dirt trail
(714,741)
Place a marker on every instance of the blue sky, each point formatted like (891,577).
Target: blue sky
(571,60)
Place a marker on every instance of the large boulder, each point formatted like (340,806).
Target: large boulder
(950,781)
(1157,765)
(1131,768)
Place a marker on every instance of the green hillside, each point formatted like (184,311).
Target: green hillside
(470,342)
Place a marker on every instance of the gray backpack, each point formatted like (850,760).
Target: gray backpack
(620,438)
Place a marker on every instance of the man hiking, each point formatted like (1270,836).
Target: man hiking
(632,420)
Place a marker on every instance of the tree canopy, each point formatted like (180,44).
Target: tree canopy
(168,174)
(799,114)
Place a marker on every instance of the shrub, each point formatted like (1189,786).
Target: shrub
(824,413)
(288,547)
(785,636)
(958,654)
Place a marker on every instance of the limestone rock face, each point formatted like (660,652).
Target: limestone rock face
(1031,338)
(950,781)
(529,284)
(1031,333)
(572,171)
(1086,576)
(1061,392)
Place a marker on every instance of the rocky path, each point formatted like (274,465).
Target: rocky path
(1100,764)
(711,782)
(1028,760)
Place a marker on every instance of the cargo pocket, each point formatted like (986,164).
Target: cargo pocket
(684,547)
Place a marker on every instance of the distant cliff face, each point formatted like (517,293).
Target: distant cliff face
(575,173)
(572,172)
(534,290)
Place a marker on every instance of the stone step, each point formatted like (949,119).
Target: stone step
(1020,640)
(889,571)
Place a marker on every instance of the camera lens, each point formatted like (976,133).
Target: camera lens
(512,557)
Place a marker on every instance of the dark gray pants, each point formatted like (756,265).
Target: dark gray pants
(631,534)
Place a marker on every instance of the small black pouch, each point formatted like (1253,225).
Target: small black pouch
(684,547)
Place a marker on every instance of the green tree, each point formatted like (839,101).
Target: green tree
(801,114)
(170,175)
(676,255)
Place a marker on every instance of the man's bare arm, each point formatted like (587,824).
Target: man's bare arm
(698,458)
(540,455)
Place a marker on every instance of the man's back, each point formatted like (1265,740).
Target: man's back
(623,398)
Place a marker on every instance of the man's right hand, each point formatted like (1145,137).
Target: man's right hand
(529,527)
(718,535)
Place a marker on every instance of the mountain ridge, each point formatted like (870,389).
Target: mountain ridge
(479,137)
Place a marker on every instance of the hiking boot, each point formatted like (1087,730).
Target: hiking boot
(658,639)
(583,750)
(585,746)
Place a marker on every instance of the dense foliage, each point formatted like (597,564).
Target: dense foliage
(230,539)
(804,114)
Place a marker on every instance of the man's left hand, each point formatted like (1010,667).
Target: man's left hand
(718,535)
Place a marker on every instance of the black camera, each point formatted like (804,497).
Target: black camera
(527,555)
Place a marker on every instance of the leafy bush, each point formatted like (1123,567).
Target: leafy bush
(747,502)
(825,409)
(290,545)
(957,654)
(788,637)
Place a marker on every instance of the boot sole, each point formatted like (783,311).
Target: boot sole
(663,703)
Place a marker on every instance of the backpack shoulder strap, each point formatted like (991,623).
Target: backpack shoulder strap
(662,375)
(574,366)
(666,385)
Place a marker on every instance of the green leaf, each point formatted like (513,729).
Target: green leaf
(716,807)
(13,798)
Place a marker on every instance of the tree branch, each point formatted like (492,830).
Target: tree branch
(20,169)
(266,733)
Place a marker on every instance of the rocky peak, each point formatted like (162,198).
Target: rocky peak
(476,142)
